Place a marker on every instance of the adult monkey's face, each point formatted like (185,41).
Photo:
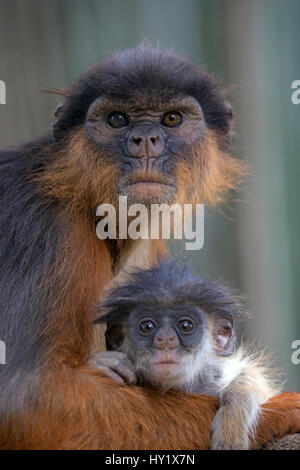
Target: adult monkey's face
(155,129)
(147,139)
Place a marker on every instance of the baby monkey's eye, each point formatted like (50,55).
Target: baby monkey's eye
(171,119)
(146,326)
(117,119)
(186,325)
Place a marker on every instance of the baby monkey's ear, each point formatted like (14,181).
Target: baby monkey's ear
(224,337)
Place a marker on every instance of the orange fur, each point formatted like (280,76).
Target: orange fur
(219,172)
(83,270)
(79,178)
(280,416)
(93,413)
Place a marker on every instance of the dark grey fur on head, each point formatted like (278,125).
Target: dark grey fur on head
(148,72)
(166,285)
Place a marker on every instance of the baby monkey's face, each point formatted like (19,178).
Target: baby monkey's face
(164,344)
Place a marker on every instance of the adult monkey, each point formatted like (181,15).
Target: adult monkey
(114,135)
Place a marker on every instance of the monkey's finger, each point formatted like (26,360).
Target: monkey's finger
(113,375)
(125,371)
(116,361)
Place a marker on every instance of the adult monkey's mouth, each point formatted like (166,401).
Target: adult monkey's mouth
(148,187)
(151,184)
(153,191)
(151,178)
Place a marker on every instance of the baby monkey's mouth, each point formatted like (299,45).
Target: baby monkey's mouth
(165,359)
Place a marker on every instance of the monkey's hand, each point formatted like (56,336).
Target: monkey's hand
(232,425)
(116,365)
(231,428)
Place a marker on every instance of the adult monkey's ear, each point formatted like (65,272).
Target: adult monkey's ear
(224,337)
(229,119)
(59,109)
(114,336)
(229,111)
(55,127)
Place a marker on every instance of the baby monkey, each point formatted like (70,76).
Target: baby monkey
(169,330)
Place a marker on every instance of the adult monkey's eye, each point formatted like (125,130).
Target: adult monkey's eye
(171,119)
(186,325)
(117,119)
(146,326)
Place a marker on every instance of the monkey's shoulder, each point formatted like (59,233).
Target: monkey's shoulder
(21,154)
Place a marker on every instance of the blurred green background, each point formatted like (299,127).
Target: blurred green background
(253,45)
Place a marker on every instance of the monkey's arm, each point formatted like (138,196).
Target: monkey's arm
(83,409)
(95,413)
(240,401)
(235,420)
(117,366)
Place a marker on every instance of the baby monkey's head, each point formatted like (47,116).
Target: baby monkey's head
(171,325)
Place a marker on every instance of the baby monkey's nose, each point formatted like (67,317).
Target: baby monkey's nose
(166,338)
